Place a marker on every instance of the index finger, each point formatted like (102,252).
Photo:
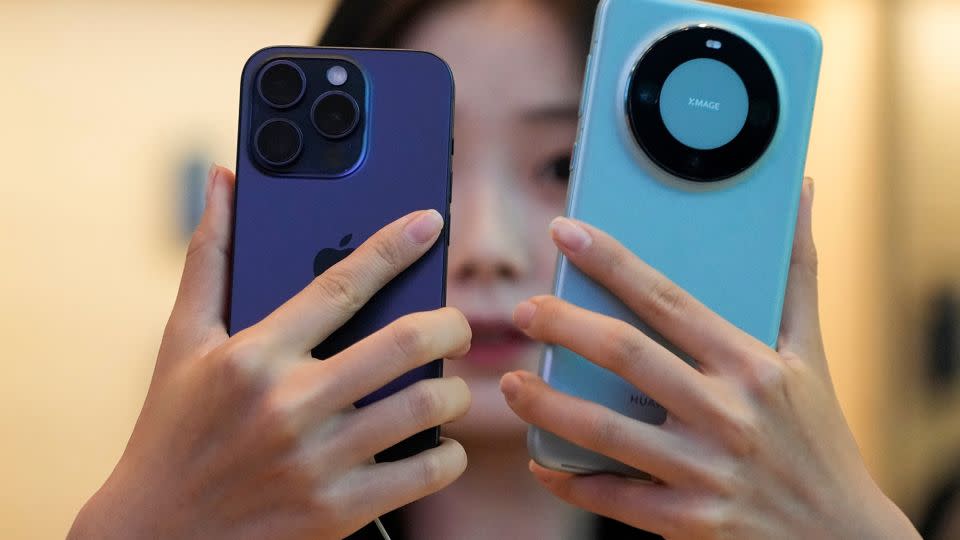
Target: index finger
(335,296)
(672,312)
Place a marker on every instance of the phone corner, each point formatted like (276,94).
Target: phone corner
(603,8)
(437,62)
(261,56)
(813,36)
(803,35)
(537,450)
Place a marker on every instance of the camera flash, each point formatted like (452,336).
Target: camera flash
(714,44)
(337,75)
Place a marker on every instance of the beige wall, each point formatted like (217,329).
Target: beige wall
(90,256)
(843,160)
(98,102)
(923,424)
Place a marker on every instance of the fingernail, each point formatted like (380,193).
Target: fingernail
(570,236)
(510,386)
(523,315)
(425,227)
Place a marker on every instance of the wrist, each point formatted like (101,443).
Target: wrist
(883,519)
(111,514)
(896,525)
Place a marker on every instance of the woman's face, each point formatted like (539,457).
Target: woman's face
(518,81)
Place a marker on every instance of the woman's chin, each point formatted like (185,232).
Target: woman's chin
(489,420)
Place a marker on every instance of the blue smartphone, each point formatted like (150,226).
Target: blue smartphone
(333,145)
(691,151)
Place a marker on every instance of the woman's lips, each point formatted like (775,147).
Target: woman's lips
(498,343)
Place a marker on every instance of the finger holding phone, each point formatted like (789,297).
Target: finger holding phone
(755,444)
(318,249)
(683,338)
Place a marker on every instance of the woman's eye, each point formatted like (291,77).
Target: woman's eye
(558,169)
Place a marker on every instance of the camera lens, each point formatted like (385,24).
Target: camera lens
(278,142)
(282,84)
(703,104)
(336,114)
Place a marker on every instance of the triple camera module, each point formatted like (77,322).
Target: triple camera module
(703,104)
(309,115)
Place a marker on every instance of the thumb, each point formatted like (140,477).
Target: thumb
(200,310)
(800,327)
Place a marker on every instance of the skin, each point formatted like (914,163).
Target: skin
(755,445)
(248,437)
(516,119)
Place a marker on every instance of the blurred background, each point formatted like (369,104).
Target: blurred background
(110,113)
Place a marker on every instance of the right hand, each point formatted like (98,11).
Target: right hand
(249,437)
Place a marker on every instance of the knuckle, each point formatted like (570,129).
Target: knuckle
(389,253)
(742,435)
(239,365)
(201,241)
(324,507)
(806,259)
(723,477)
(338,287)
(605,431)
(708,519)
(618,261)
(624,349)
(295,475)
(666,299)
(279,419)
(410,339)
(768,381)
(432,472)
(425,403)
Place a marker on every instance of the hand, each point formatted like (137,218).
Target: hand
(249,437)
(755,444)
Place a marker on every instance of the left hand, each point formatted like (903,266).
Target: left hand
(755,444)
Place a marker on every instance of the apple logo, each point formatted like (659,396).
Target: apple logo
(330,256)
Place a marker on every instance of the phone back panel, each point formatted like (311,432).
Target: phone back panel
(283,222)
(728,244)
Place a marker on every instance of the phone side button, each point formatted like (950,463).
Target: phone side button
(587,69)
(449,222)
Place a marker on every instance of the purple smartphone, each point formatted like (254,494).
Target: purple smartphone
(333,145)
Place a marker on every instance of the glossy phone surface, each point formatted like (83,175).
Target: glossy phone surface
(691,152)
(333,145)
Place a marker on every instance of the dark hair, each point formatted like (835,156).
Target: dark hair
(383,24)
(944,504)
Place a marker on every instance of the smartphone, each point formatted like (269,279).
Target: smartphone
(691,150)
(333,145)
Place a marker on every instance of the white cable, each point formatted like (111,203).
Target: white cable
(383,531)
(376,521)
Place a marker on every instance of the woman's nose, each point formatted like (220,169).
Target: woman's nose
(488,235)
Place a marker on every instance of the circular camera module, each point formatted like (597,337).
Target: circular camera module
(278,142)
(281,84)
(335,114)
(703,104)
